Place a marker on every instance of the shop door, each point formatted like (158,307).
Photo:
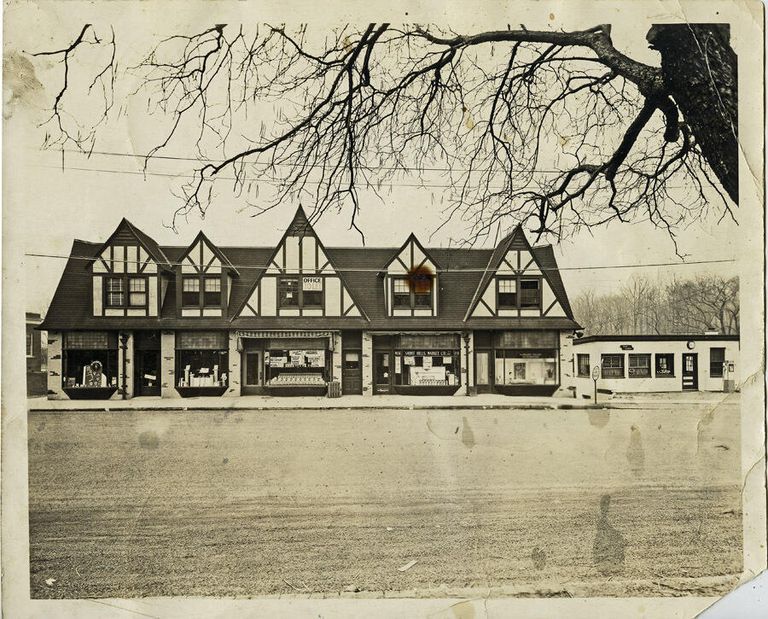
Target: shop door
(382,376)
(252,372)
(690,371)
(147,378)
(482,373)
(351,373)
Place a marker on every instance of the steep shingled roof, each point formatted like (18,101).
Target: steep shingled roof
(462,272)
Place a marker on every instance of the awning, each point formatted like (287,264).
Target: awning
(284,334)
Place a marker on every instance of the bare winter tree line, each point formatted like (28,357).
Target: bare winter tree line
(651,307)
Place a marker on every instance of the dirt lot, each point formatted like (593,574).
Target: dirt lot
(334,502)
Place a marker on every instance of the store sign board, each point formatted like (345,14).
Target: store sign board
(426,353)
(312,283)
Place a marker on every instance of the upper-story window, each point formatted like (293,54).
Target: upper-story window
(412,291)
(306,291)
(197,291)
(519,293)
(125,291)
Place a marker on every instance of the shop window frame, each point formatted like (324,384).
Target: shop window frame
(658,373)
(636,357)
(622,366)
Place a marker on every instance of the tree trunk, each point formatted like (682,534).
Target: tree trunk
(699,69)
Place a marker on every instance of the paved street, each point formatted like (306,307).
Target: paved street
(334,502)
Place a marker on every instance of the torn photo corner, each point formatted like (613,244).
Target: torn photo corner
(444,311)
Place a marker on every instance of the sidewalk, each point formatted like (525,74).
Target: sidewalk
(380,402)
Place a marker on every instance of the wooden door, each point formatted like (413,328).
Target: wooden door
(351,372)
(690,371)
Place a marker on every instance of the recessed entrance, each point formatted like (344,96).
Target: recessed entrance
(146,377)
(253,369)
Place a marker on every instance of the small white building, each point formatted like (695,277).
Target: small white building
(655,363)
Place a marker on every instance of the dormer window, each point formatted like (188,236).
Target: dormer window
(519,292)
(412,291)
(125,291)
(306,291)
(197,291)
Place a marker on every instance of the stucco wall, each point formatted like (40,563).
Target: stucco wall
(167,364)
(234,371)
(55,392)
(585,386)
(367,361)
(566,366)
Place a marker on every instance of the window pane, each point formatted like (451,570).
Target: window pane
(422,299)
(612,366)
(507,285)
(639,366)
(529,293)
(202,368)
(665,365)
(88,340)
(481,368)
(212,284)
(115,292)
(583,365)
(137,299)
(191,284)
(137,284)
(421,283)
(212,292)
(289,292)
(716,360)
(401,286)
(201,339)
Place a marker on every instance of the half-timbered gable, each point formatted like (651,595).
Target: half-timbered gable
(127,277)
(411,281)
(203,280)
(300,279)
(515,284)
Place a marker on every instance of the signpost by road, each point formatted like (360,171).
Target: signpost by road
(595,376)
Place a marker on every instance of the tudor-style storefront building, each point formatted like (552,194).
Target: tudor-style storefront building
(137,319)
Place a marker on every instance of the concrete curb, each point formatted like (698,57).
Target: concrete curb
(489,407)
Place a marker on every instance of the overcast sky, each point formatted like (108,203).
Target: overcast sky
(87,199)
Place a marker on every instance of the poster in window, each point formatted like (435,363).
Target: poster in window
(312,284)
(398,365)
(519,371)
(426,362)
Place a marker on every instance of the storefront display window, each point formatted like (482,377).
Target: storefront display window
(202,359)
(90,360)
(296,367)
(530,367)
(427,368)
